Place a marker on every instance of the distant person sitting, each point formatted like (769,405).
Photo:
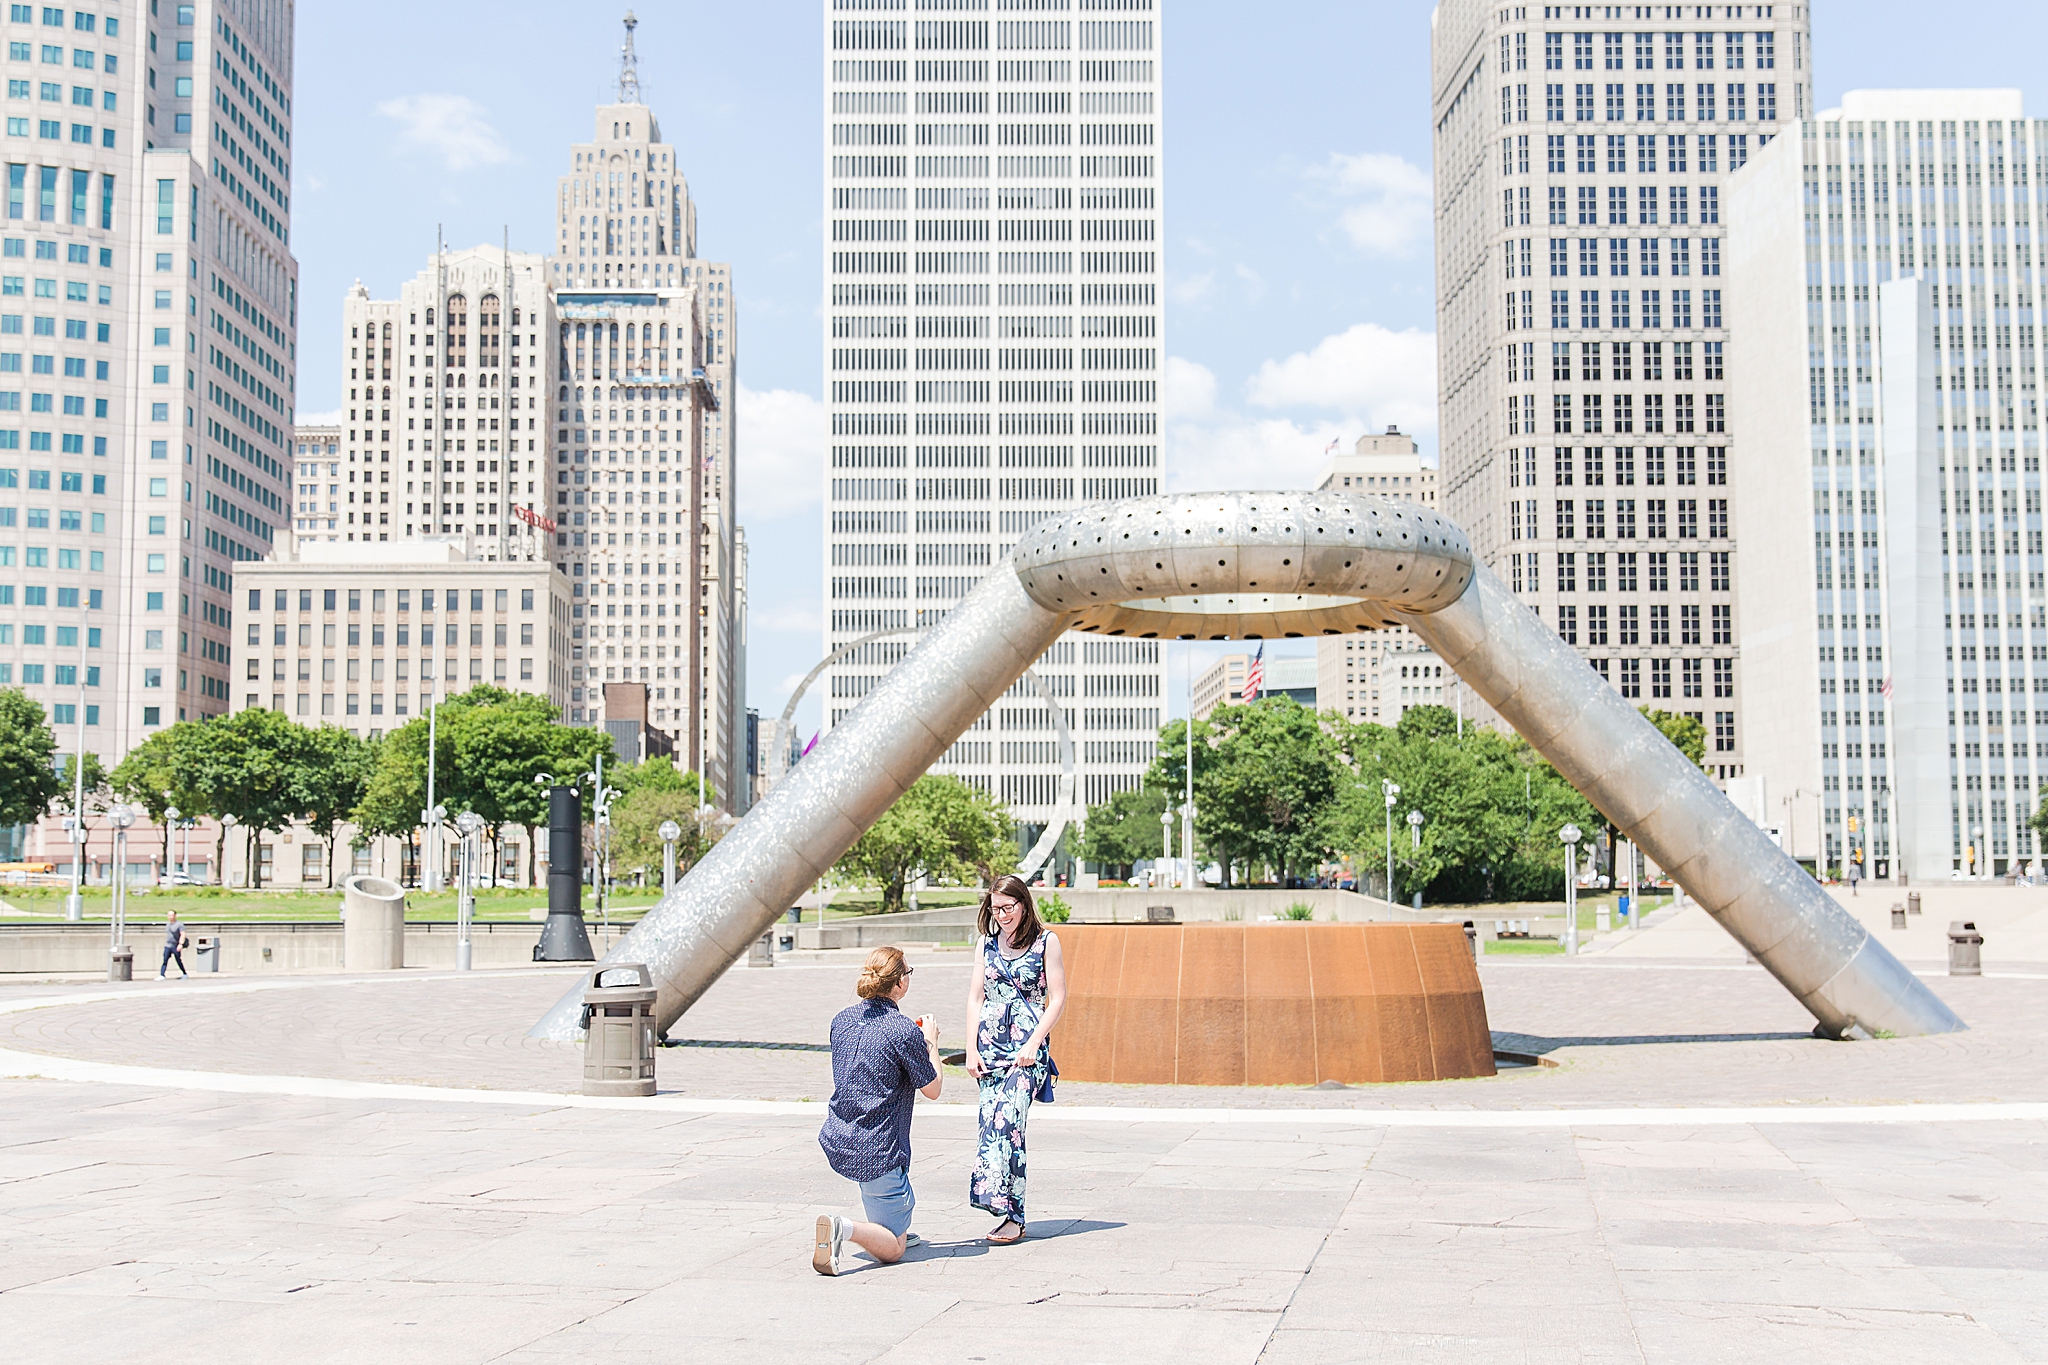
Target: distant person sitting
(174,948)
(879,1058)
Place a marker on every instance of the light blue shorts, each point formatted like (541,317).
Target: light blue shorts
(889,1200)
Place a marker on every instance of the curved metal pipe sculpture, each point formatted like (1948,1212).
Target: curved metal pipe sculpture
(1063,804)
(1266,565)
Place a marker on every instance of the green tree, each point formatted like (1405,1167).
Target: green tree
(28,759)
(334,773)
(636,829)
(941,828)
(1491,808)
(489,746)
(250,765)
(1124,829)
(95,784)
(148,778)
(657,774)
(1267,785)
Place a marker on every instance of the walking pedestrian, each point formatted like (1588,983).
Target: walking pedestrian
(174,948)
(880,1061)
(1015,1000)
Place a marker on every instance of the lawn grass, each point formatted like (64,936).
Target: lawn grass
(1522,947)
(212,904)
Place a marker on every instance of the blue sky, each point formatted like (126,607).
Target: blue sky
(1297,205)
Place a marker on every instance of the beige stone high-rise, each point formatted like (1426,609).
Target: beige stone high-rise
(1582,154)
(648,387)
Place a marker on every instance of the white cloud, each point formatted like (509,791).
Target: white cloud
(318,419)
(1389,209)
(451,127)
(1190,389)
(780,447)
(1366,372)
(1254,283)
(1191,288)
(1231,451)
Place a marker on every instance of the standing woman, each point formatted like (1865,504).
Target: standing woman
(1015,999)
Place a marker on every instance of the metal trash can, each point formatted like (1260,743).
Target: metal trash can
(796,914)
(1472,938)
(618,1039)
(1965,949)
(762,954)
(206,954)
(1898,917)
(1912,902)
(121,964)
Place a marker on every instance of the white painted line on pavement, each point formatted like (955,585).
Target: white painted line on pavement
(36,1065)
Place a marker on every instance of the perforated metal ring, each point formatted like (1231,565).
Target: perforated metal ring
(1222,566)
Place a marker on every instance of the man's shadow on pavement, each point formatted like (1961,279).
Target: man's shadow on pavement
(1055,1228)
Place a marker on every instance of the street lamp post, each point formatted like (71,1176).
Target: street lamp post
(1390,790)
(1569,836)
(669,831)
(120,817)
(172,814)
(601,817)
(1166,842)
(470,825)
(1415,843)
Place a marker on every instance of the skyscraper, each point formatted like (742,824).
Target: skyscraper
(992,342)
(649,338)
(1581,155)
(1896,622)
(148,314)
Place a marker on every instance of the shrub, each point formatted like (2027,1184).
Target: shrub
(1053,910)
(1299,910)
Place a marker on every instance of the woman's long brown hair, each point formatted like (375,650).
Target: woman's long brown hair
(1028,927)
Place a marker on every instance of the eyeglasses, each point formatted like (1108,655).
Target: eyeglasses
(1000,906)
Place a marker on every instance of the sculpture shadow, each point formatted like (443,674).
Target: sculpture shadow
(1537,1045)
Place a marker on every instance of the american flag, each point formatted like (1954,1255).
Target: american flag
(1887,689)
(1254,677)
(1331,446)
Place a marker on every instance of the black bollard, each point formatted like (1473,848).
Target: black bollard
(564,938)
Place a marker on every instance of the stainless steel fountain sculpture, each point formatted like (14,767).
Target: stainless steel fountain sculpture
(1266,566)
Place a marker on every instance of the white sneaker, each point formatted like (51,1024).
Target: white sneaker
(911,1239)
(831,1238)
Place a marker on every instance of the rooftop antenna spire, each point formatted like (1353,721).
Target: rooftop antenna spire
(629,65)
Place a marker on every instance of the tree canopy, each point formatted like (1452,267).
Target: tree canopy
(941,828)
(28,759)
(1491,808)
(1124,829)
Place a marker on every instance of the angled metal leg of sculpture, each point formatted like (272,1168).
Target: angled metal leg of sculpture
(1268,565)
(741,887)
(1848,980)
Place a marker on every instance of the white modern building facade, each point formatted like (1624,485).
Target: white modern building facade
(993,340)
(1895,622)
(1582,159)
(148,316)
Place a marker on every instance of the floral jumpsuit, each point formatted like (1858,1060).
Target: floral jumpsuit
(1013,999)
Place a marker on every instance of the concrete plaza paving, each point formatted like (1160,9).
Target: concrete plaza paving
(368,1169)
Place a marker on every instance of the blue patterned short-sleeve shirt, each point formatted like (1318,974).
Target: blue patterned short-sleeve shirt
(879,1062)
